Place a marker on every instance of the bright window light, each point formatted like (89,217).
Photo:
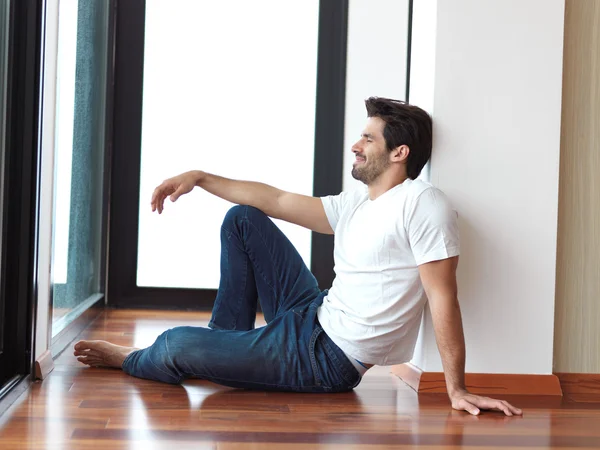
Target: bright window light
(229,88)
(65,109)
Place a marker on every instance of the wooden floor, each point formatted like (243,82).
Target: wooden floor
(80,408)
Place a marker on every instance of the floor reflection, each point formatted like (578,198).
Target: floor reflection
(79,407)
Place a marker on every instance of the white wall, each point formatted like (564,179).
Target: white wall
(497,113)
(375,66)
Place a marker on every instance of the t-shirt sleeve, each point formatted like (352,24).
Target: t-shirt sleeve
(333,206)
(432,227)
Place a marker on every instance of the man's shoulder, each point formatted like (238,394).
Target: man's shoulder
(417,187)
(424,193)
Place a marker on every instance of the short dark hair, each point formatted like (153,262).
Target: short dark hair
(404,125)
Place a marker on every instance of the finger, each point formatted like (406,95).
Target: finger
(159,195)
(513,409)
(160,203)
(155,196)
(469,407)
(489,403)
(175,195)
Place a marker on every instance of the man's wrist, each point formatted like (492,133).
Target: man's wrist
(198,176)
(456,391)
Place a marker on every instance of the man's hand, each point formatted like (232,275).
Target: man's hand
(439,282)
(465,401)
(174,187)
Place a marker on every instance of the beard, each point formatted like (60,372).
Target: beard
(371,169)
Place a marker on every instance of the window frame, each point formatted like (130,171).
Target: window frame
(21,190)
(122,289)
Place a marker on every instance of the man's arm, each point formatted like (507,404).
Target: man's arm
(439,282)
(302,210)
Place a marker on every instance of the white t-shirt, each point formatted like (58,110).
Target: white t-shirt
(373,310)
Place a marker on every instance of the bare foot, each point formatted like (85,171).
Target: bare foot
(101,353)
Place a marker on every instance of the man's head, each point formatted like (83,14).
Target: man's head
(396,133)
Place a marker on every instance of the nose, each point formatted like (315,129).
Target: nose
(356,147)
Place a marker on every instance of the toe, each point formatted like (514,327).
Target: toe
(81,345)
(89,361)
(87,353)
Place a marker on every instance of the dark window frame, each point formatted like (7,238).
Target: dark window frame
(409,49)
(122,289)
(21,189)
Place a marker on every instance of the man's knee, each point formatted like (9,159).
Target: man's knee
(157,360)
(238,213)
(189,350)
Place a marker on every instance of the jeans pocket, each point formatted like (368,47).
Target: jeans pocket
(341,373)
(316,360)
(332,374)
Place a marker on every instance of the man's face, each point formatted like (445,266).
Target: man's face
(372,158)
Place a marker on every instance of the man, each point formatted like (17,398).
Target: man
(396,245)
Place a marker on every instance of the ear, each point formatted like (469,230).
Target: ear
(400,154)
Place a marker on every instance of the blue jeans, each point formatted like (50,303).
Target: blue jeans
(290,353)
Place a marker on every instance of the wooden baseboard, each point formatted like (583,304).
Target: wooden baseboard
(44,365)
(480,383)
(580,383)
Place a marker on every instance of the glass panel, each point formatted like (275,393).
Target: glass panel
(382,28)
(229,88)
(79,158)
(4,27)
